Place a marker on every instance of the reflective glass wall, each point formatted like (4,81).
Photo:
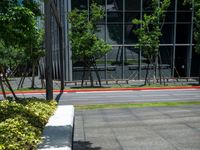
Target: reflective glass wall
(124,61)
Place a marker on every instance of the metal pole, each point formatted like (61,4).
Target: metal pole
(189,57)
(174,43)
(48,47)
(106,39)
(140,51)
(123,31)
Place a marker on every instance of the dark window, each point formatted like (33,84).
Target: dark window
(167,34)
(132,5)
(115,34)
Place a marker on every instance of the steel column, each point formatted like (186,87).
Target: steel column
(174,42)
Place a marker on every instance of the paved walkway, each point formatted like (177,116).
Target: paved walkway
(56,84)
(155,128)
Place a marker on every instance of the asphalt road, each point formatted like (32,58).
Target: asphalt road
(112,97)
(86,98)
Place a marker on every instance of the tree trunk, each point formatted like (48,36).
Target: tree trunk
(33,75)
(21,82)
(97,74)
(147,73)
(199,74)
(83,76)
(9,86)
(91,77)
(2,88)
(118,51)
(159,68)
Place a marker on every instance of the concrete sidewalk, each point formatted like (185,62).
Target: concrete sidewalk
(153,128)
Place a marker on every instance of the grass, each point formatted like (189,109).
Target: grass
(136,105)
(150,86)
(129,86)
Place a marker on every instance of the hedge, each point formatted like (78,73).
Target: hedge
(21,123)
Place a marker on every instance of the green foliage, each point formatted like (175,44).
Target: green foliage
(196,5)
(136,105)
(10,56)
(21,123)
(85,43)
(17,133)
(16,26)
(6,4)
(197,26)
(33,6)
(149,32)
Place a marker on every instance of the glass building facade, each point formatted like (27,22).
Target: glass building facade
(124,61)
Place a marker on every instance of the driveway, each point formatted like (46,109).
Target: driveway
(152,128)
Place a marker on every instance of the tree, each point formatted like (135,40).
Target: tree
(86,46)
(196,7)
(197,28)
(149,33)
(18,25)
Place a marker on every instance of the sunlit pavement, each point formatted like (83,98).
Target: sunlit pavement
(154,128)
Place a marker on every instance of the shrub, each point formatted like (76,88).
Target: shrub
(21,123)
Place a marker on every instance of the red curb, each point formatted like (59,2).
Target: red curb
(105,89)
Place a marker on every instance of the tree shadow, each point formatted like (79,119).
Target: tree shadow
(57,137)
(59,96)
(84,145)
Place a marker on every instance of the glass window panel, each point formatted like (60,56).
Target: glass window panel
(80,4)
(114,5)
(115,16)
(115,56)
(167,34)
(131,56)
(98,2)
(182,33)
(172,5)
(101,31)
(114,35)
(169,17)
(147,5)
(130,16)
(132,5)
(114,62)
(130,37)
(184,16)
(166,54)
(182,6)
(181,61)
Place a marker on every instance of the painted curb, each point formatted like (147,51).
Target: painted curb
(106,89)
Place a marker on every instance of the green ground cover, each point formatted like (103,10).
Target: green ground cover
(21,123)
(136,105)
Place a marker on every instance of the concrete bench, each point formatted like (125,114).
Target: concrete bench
(58,132)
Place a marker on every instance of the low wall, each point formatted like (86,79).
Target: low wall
(58,132)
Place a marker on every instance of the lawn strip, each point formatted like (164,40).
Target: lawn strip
(136,105)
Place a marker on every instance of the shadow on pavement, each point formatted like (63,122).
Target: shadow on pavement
(56,137)
(58,96)
(84,145)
